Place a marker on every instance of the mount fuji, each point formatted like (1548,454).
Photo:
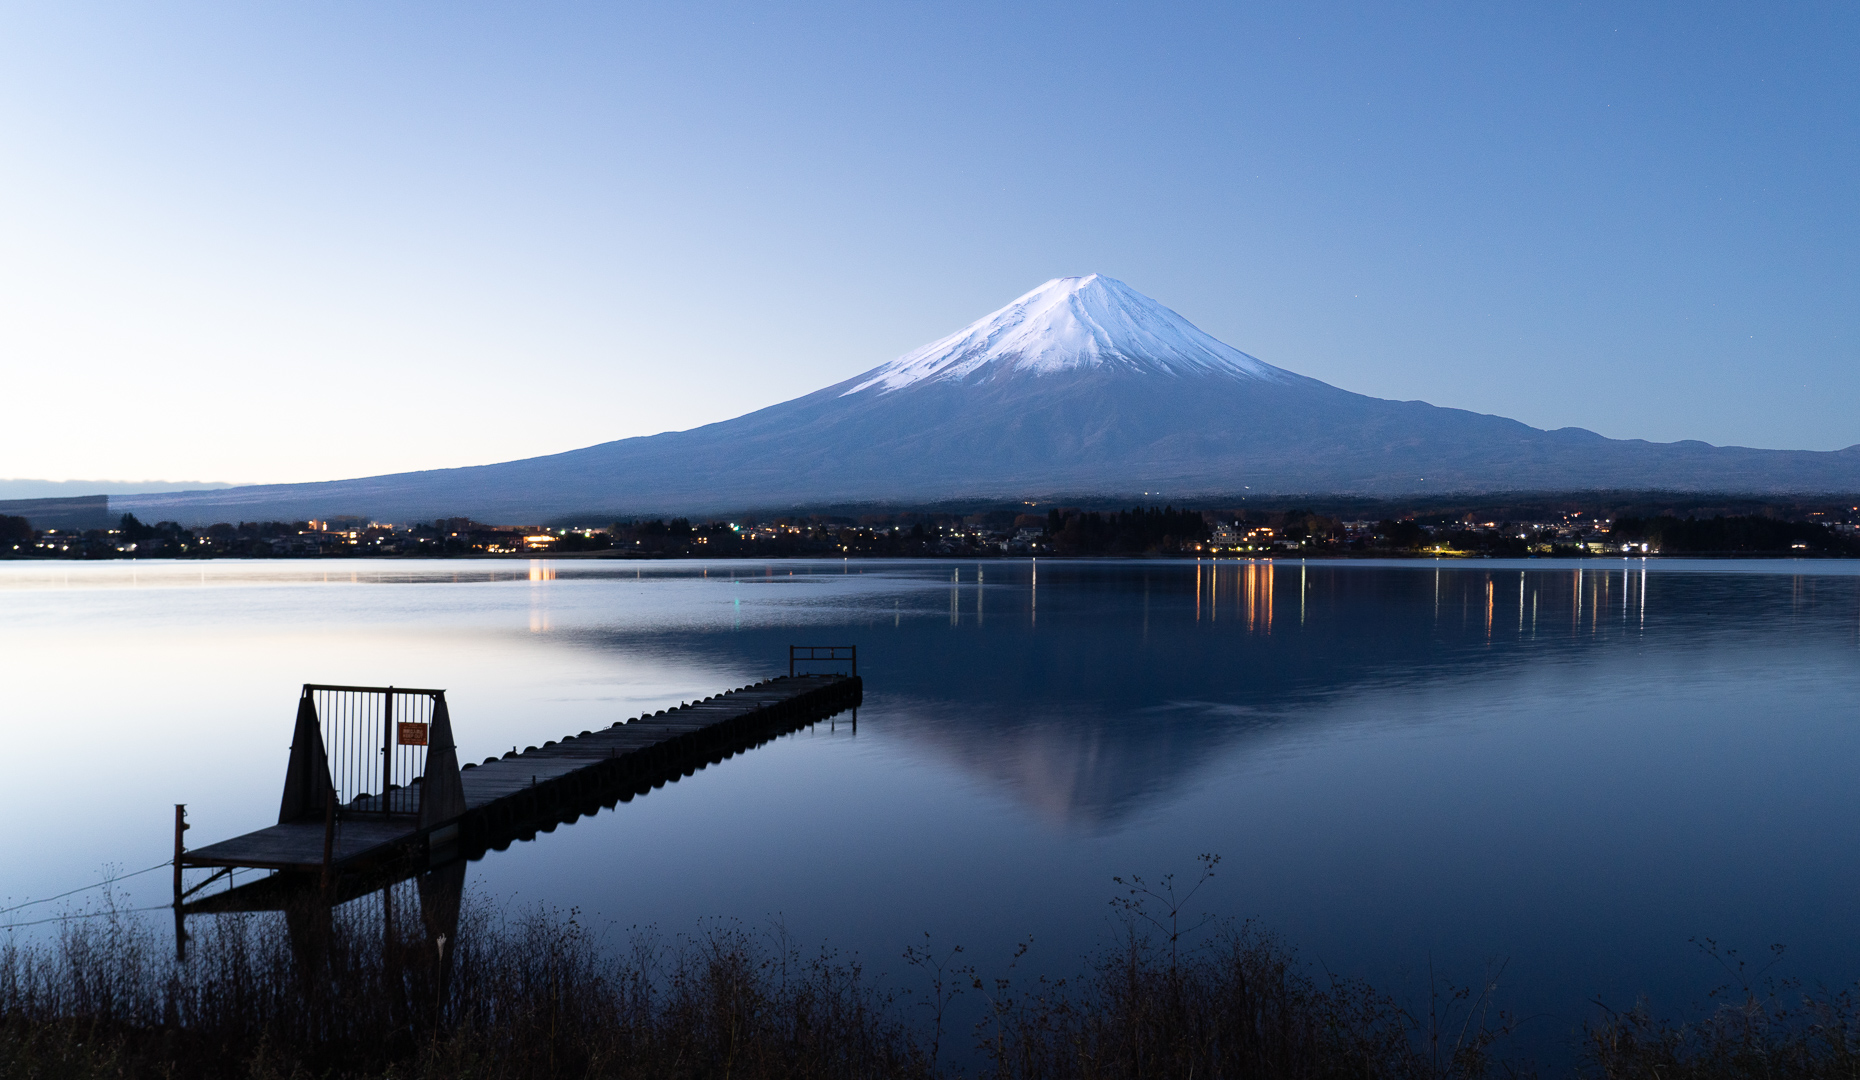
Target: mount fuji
(1082,388)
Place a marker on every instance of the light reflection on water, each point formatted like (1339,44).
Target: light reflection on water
(1575,767)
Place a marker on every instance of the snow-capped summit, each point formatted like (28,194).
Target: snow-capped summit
(1066,324)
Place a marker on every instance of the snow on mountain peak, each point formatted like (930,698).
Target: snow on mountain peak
(1070,323)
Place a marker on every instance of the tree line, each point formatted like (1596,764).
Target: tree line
(1740,535)
(1139,531)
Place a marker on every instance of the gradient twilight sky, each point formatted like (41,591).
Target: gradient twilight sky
(270,242)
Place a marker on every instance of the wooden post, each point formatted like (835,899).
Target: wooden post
(329,834)
(180,918)
(387,753)
(180,826)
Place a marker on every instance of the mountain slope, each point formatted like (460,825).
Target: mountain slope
(1081,387)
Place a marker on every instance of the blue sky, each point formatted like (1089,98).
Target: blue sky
(296,242)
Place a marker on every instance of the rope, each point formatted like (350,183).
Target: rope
(86,915)
(106,881)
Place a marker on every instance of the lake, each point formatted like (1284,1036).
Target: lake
(1564,770)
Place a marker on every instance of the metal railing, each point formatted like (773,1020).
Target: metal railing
(375,740)
(822,654)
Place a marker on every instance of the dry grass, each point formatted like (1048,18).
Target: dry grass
(536,996)
(1761,1028)
(364,994)
(1194,997)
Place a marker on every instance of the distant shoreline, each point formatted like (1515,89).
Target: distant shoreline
(622,556)
(1021,531)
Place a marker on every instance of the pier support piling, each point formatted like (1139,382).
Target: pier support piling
(180,917)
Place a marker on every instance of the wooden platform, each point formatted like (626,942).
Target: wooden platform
(523,792)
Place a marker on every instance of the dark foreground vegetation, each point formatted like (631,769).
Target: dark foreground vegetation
(360,995)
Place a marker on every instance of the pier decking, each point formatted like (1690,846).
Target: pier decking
(500,798)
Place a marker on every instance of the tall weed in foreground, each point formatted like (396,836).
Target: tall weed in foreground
(1761,1028)
(1196,997)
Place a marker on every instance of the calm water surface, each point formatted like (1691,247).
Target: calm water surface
(1568,771)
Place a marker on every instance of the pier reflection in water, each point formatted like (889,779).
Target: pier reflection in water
(416,916)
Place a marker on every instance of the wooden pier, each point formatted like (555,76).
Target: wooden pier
(372,796)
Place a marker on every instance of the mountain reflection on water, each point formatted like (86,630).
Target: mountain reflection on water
(1088,691)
